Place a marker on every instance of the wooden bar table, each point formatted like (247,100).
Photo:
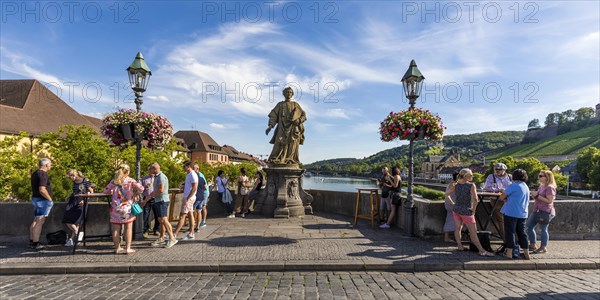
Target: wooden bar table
(488,211)
(373,203)
(86,198)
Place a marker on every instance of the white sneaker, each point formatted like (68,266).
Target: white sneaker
(158,243)
(189,237)
(171,243)
(231,216)
(384,226)
(69,243)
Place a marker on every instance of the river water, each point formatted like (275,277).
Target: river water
(340,184)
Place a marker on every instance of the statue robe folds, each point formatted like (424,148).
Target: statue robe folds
(289,133)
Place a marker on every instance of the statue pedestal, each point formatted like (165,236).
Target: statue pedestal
(285,197)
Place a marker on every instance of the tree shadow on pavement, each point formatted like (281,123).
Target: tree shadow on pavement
(249,241)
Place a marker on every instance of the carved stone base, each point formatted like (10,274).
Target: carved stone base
(285,197)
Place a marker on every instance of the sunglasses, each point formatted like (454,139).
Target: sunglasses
(540,176)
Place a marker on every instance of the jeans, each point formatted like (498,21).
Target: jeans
(515,227)
(531,223)
(149,205)
(41,206)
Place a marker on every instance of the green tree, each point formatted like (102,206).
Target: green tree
(17,163)
(588,166)
(552,119)
(533,167)
(80,148)
(534,124)
(566,116)
(584,114)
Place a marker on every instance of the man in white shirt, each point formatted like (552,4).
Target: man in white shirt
(187,203)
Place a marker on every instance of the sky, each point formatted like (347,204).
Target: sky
(220,67)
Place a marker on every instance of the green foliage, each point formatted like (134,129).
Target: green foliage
(80,148)
(533,167)
(16,165)
(478,179)
(428,193)
(533,124)
(588,166)
(565,144)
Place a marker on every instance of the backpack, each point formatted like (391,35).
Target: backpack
(57,237)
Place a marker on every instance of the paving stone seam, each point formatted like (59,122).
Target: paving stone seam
(29,269)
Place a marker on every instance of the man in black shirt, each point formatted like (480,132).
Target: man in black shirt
(42,201)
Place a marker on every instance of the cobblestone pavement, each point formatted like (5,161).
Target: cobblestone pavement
(563,284)
(321,241)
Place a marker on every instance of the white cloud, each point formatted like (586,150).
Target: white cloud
(217,126)
(161,98)
(337,113)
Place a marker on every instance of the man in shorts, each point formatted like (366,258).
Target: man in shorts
(160,195)
(41,200)
(201,199)
(187,203)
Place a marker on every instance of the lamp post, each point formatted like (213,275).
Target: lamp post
(139,75)
(412,82)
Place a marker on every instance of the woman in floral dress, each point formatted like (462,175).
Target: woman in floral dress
(124,191)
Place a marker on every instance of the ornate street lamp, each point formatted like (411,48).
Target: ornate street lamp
(139,75)
(412,83)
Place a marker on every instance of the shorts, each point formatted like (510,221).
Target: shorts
(187,206)
(387,202)
(464,219)
(41,206)
(161,208)
(199,204)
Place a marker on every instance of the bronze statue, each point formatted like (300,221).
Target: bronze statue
(289,134)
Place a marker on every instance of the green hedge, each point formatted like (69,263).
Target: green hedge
(428,193)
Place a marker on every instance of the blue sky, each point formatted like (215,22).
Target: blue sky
(488,66)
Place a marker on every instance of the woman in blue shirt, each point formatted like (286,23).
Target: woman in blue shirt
(515,212)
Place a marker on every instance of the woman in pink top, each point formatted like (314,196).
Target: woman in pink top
(544,203)
(124,191)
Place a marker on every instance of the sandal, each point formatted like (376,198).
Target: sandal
(129,251)
(533,248)
(539,251)
(485,253)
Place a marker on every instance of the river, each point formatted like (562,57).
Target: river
(340,184)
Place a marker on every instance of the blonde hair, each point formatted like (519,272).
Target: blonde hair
(464,172)
(120,174)
(75,172)
(549,178)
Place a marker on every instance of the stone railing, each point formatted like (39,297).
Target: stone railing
(575,219)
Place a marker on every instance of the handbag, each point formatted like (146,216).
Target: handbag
(542,217)
(227,198)
(136,209)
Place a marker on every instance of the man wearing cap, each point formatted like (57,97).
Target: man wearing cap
(493,183)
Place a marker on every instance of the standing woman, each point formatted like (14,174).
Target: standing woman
(465,204)
(74,209)
(124,191)
(515,213)
(394,187)
(258,184)
(544,205)
(221,182)
(449,205)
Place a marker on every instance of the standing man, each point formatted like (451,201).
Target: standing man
(41,200)
(187,203)
(147,182)
(160,195)
(385,204)
(494,183)
(201,199)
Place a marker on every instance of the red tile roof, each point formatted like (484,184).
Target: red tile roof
(27,105)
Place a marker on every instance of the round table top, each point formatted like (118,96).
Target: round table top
(489,194)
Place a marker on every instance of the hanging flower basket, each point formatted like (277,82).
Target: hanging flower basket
(412,124)
(127,124)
